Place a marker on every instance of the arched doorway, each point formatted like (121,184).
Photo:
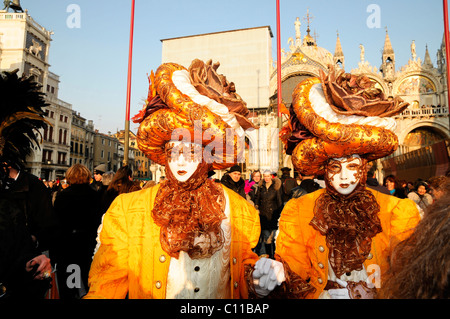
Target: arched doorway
(422,136)
(288,86)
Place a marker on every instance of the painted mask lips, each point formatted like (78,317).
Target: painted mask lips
(181,173)
(344,185)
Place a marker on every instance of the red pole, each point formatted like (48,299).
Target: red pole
(279,59)
(279,97)
(447,49)
(130,62)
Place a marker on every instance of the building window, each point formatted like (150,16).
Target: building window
(46,156)
(103,154)
(61,158)
(50,134)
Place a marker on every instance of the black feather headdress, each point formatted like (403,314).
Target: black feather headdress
(21,117)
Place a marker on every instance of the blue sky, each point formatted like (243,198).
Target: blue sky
(92,60)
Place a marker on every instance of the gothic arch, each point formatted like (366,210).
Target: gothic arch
(441,129)
(400,80)
(292,71)
(252,139)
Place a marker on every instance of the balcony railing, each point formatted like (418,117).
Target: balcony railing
(424,112)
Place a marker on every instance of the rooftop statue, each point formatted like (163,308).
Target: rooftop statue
(14,4)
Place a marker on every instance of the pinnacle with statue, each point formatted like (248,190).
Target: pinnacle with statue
(14,5)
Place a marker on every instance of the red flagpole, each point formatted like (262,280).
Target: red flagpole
(279,97)
(279,59)
(130,63)
(447,49)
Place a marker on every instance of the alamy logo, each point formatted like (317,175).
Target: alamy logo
(73,21)
(374,19)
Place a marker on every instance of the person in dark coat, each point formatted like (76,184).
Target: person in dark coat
(372,183)
(287,184)
(234,181)
(308,185)
(121,183)
(24,271)
(78,209)
(270,204)
(31,194)
(391,183)
(97,183)
(254,188)
(26,220)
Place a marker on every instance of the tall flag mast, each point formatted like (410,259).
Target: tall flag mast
(279,96)
(130,63)
(447,49)
(279,59)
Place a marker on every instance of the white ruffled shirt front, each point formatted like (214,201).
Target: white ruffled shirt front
(207,278)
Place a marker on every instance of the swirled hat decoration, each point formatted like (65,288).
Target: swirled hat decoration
(338,115)
(198,100)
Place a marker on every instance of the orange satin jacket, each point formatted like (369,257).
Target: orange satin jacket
(130,259)
(305,249)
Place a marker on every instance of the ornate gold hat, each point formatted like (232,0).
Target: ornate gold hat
(336,116)
(199,102)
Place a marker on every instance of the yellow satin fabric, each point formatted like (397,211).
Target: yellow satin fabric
(306,251)
(130,258)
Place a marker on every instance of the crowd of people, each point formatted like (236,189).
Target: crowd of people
(65,215)
(423,192)
(62,218)
(270,199)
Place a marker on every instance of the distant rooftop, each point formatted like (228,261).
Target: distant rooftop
(198,35)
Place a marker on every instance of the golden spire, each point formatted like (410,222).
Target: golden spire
(387,44)
(308,40)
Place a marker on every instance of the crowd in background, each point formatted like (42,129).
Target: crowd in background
(64,216)
(268,193)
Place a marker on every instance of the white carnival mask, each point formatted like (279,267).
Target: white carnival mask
(344,174)
(183,160)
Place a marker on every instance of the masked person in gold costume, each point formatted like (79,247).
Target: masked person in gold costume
(338,239)
(187,237)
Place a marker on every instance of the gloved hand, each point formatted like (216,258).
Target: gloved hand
(267,275)
(341,293)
